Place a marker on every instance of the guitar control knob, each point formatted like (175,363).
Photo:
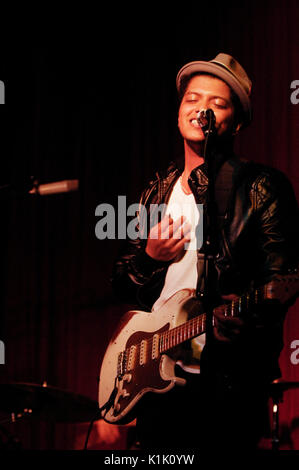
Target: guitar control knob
(127,378)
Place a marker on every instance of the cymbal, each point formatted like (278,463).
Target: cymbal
(46,403)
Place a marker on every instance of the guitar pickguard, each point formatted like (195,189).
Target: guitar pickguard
(132,363)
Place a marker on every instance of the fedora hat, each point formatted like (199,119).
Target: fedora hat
(227,69)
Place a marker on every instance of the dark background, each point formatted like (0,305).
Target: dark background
(102,108)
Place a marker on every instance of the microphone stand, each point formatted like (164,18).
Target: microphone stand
(210,224)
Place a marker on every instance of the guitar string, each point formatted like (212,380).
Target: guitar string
(172,334)
(176,335)
(170,338)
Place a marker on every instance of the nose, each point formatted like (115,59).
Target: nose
(200,105)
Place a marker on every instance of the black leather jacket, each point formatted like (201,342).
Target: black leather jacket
(258,238)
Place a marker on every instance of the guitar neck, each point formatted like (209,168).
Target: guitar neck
(197,325)
(178,335)
(281,288)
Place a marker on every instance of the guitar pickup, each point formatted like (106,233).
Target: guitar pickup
(155,347)
(132,357)
(143,352)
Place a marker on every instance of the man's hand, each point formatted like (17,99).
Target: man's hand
(227,327)
(167,239)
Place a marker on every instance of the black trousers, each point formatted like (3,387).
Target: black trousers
(204,415)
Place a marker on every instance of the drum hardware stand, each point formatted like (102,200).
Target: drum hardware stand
(276,399)
(277,388)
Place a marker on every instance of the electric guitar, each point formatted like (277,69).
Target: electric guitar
(138,358)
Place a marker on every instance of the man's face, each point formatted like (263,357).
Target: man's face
(203,92)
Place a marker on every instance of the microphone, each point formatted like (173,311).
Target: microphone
(57,187)
(206,119)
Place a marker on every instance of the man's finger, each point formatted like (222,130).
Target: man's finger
(181,228)
(171,229)
(229,320)
(157,230)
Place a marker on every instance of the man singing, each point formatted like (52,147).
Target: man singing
(253,228)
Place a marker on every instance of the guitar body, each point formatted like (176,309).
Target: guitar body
(143,369)
(140,355)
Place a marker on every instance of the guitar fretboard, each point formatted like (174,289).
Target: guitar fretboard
(192,328)
(197,326)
